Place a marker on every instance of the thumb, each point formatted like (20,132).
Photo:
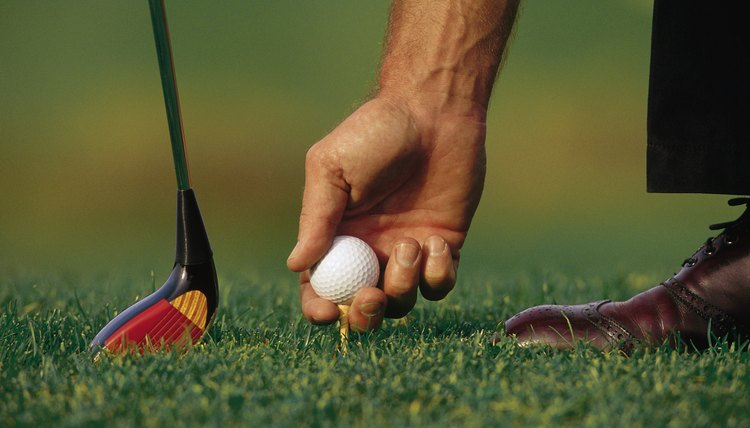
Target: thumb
(323,204)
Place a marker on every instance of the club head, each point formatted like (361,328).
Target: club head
(181,310)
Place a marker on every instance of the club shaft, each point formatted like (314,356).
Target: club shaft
(171,97)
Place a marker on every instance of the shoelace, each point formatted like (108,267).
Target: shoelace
(728,227)
(730,224)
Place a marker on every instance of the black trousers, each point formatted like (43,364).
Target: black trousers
(699,98)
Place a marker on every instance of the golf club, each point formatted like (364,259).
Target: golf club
(178,313)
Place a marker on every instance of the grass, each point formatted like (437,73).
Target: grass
(263,365)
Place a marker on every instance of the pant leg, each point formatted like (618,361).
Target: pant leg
(699,98)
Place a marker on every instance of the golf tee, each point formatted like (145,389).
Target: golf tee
(344,327)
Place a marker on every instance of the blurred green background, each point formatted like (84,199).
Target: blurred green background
(86,177)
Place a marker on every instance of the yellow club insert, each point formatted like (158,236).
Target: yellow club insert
(194,306)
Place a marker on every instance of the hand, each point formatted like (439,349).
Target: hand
(406,177)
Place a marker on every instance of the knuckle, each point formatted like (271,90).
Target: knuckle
(312,155)
(320,158)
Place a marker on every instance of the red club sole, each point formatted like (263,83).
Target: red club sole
(162,326)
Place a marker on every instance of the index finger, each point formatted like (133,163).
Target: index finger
(323,204)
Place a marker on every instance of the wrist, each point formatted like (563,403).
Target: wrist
(431,107)
(441,82)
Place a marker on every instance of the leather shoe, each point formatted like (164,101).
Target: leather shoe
(708,298)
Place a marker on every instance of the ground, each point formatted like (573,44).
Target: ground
(264,365)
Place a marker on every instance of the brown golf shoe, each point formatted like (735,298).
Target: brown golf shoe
(709,297)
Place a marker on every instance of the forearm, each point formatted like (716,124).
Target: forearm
(445,51)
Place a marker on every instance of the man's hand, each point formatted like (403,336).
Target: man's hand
(405,171)
(406,181)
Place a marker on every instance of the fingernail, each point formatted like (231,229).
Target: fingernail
(436,246)
(406,254)
(370,309)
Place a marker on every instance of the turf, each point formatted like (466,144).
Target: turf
(263,365)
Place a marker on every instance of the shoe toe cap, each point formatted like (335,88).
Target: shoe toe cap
(554,325)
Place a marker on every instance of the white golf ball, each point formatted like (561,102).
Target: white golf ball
(348,266)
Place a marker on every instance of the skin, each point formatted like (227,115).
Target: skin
(405,171)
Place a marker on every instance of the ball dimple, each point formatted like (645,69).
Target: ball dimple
(348,266)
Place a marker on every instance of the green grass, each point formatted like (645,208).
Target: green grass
(263,365)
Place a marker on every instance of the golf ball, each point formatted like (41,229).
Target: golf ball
(348,266)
